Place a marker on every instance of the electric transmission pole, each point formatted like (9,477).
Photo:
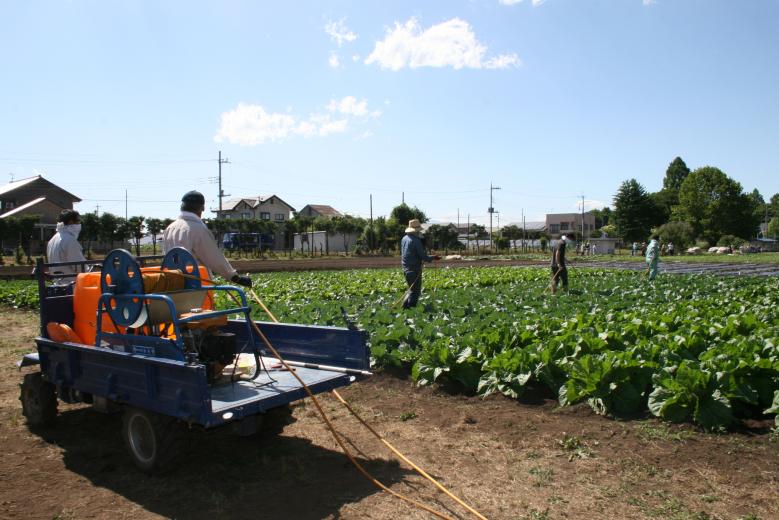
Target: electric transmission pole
(491,210)
(221,191)
(582,217)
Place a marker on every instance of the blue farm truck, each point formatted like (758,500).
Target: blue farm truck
(142,336)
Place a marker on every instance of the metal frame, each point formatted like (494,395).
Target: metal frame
(152,373)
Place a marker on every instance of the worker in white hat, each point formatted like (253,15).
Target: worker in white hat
(412,254)
(189,232)
(559,269)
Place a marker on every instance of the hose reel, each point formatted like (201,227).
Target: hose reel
(122,275)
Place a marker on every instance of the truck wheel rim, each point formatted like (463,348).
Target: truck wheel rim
(142,440)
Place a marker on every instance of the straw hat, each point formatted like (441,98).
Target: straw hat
(414,226)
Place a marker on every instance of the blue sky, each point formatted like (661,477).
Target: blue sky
(330,102)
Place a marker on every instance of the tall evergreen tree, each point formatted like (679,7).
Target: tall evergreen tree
(675,174)
(633,211)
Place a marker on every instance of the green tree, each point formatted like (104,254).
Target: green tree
(90,231)
(442,237)
(403,213)
(155,227)
(328,226)
(773,206)
(108,223)
(602,216)
(680,233)
(773,228)
(715,205)
(122,232)
(135,230)
(675,174)
(512,233)
(634,211)
(346,225)
(663,202)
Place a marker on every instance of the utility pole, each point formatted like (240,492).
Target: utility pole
(221,191)
(524,232)
(468,231)
(402,197)
(491,210)
(97,210)
(371,209)
(582,217)
(125,204)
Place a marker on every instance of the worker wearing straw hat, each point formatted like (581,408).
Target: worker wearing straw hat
(412,254)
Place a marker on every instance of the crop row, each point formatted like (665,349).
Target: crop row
(687,348)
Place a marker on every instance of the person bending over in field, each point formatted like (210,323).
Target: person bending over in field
(653,256)
(559,270)
(412,254)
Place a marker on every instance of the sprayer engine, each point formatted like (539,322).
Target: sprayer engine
(214,348)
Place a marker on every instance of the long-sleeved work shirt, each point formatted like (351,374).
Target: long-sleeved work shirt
(653,252)
(412,253)
(189,232)
(64,247)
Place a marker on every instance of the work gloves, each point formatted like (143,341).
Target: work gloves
(241,280)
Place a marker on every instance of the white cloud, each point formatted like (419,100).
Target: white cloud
(649,2)
(349,106)
(334,61)
(250,125)
(339,33)
(448,44)
(514,2)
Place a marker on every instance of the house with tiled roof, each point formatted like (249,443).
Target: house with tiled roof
(35,196)
(319,210)
(270,207)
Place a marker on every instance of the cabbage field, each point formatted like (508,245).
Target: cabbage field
(693,348)
(696,348)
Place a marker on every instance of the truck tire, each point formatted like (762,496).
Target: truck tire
(39,400)
(154,441)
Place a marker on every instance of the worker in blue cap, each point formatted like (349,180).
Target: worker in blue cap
(189,231)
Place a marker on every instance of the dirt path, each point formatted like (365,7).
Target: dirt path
(511,460)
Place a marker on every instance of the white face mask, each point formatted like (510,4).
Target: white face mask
(75,229)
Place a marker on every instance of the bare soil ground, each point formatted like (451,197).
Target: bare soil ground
(510,459)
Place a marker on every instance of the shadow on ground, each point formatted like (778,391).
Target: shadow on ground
(265,476)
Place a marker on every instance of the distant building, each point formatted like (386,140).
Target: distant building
(558,224)
(319,210)
(35,196)
(39,197)
(270,208)
(323,242)
(261,207)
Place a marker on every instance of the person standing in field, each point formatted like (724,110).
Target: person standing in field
(412,254)
(653,256)
(559,269)
(189,232)
(64,245)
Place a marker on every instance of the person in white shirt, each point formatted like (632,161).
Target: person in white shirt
(189,232)
(64,245)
